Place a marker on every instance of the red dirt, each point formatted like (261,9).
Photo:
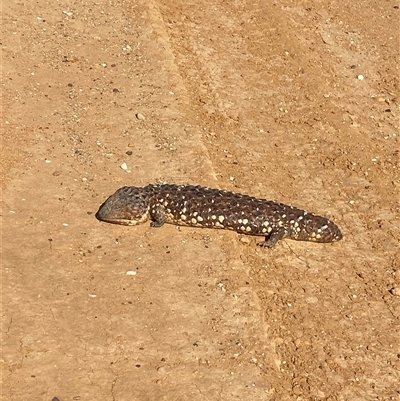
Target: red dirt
(296,102)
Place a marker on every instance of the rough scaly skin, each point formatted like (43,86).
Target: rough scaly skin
(196,206)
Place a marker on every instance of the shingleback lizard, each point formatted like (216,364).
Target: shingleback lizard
(197,206)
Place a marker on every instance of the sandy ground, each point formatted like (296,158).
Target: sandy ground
(291,101)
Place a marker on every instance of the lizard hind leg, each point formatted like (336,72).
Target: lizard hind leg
(273,238)
(158,216)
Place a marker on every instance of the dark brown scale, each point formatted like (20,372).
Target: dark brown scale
(197,206)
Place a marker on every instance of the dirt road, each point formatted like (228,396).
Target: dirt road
(291,101)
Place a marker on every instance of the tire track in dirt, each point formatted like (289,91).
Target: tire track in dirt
(175,328)
(251,67)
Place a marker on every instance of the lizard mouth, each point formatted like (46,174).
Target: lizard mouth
(122,222)
(102,215)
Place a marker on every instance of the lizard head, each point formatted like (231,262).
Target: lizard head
(128,206)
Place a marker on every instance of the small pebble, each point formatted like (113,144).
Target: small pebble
(131,273)
(360,77)
(397,275)
(56,173)
(245,240)
(124,166)
(395,291)
(129,153)
(140,116)
(65,224)
(312,300)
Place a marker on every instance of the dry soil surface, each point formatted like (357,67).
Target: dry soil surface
(291,101)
